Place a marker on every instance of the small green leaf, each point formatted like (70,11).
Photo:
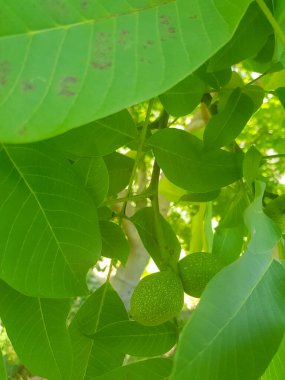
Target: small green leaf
(95,177)
(120,169)
(144,222)
(37,330)
(132,338)
(48,223)
(185,162)
(251,164)
(264,233)
(100,137)
(281,95)
(114,243)
(92,358)
(225,126)
(154,369)
(184,97)
(238,325)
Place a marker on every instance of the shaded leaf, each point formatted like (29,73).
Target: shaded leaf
(184,97)
(48,223)
(114,243)
(225,126)
(143,219)
(200,197)
(154,369)
(38,332)
(236,329)
(132,338)
(122,58)
(92,358)
(248,39)
(95,177)
(178,152)
(120,169)
(100,137)
(228,242)
(251,164)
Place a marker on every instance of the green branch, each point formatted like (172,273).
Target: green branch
(277,28)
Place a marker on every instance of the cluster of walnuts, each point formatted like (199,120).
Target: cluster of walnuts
(160,296)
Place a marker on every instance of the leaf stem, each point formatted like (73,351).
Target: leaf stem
(273,156)
(137,159)
(134,197)
(272,20)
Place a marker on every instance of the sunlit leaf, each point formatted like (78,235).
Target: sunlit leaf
(48,223)
(126,52)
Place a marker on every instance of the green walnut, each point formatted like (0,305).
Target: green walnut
(196,270)
(157,298)
(276,211)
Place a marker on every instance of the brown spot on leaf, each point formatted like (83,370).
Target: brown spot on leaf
(67,86)
(164,19)
(27,86)
(101,65)
(84,4)
(23,131)
(147,44)
(4,72)
(171,30)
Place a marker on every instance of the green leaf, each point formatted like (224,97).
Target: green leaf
(251,164)
(37,330)
(132,338)
(100,137)
(281,95)
(145,225)
(170,191)
(238,325)
(154,369)
(276,369)
(215,79)
(126,53)
(120,169)
(225,126)
(92,358)
(48,223)
(264,232)
(114,243)
(279,13)
(248,39)
(228,242)
(178,152)
(200,197)
(184,97)
(3,373)
(95,177)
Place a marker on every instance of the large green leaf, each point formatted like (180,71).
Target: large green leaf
(38,332)
(132,338)
(185,162)
(144,221)
(100,137)
(126,52)
(48,223)
(238,325)
(92,357)
(114,243)
(154,369)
